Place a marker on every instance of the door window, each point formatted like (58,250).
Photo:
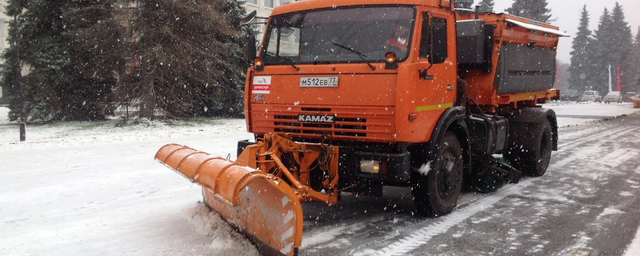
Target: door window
(434,41)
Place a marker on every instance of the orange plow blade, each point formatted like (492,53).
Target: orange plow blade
(264,207)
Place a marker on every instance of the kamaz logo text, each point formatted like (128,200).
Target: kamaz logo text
(316,119)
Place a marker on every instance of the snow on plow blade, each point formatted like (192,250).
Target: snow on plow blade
(260,205)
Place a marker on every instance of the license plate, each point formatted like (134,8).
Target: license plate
(330,81)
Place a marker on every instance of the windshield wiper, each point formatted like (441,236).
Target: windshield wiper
(290,62)
(361,55)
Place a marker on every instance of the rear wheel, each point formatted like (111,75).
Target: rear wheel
(530,151)
(437,185)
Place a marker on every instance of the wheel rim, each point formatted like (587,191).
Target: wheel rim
(448,174)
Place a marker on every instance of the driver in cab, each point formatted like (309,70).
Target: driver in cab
(400,39)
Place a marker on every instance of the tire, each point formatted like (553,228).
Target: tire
(531,154)
(437,193)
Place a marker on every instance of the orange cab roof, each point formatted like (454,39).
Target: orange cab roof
(321,4)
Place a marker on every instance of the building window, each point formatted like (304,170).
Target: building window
(252,1)
(268,3)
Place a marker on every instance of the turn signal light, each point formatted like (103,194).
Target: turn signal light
(391,60)
(259,64)
(391,57)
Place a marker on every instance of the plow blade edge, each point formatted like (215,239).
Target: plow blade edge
(262,206)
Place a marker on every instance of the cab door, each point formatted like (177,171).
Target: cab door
(434,72)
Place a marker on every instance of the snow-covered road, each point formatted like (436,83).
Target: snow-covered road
(586,204)
(94,189)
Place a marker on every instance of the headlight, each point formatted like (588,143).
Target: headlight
(370,166)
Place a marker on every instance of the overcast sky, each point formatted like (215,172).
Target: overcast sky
(567,16)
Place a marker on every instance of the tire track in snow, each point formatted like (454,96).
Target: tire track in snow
(618,157)
(423,235)
(603,136)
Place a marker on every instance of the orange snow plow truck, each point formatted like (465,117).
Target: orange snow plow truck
(348,96)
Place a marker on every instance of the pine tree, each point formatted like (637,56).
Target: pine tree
(190,58)
(620,48)
(11,68)
(467,4)
(61,52)
(581,62)
(601,52)
(486,6)
(531,9)
(613,48)
(43,52)
(95,53)
(635,82)
(231,102)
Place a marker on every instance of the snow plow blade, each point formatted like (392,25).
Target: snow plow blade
(264,207)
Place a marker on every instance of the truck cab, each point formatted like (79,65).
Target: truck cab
(363,65)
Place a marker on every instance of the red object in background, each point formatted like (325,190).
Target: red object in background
(619,84)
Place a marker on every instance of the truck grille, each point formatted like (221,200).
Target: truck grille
(289,126)
(362,123)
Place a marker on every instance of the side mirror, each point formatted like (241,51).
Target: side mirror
(251,50)
(249,18)
(427,29)
(285,31)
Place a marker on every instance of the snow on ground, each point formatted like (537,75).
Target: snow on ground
(572,114)
(4,112)
(82,188)
(94,189)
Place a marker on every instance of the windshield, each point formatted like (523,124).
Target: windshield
(339,35)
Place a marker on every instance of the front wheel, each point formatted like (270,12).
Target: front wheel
(437,185)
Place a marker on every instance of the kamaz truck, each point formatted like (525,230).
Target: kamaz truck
(348,96)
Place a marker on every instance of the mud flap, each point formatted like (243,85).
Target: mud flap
(262,206)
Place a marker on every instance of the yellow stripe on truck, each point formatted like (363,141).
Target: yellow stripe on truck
(434,107)
(529,96)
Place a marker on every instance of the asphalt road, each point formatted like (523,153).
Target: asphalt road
(586,204)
